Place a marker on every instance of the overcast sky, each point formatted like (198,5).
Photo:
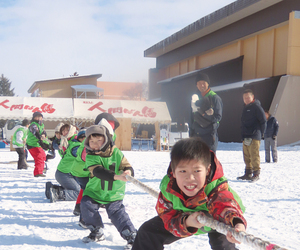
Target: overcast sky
(48,39)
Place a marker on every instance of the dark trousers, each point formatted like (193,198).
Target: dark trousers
(153,235)
(22,156)
(115,211)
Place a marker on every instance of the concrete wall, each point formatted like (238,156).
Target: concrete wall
(286,108)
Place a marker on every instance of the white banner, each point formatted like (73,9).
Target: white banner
(138,111)
(23,107)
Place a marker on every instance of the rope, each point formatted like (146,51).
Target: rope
(242,237)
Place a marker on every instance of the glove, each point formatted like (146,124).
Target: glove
(274,137)
(209,111)
(198,103)
(44,146)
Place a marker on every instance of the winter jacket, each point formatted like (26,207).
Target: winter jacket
(19,136)
(69,156)
(272,127)
(35,132)
(79,163)
(210,122)
(215,198)
(102,187)
(253,121)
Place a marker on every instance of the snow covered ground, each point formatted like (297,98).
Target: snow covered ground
(28,221)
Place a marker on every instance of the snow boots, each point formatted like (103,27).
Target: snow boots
(76,210)
(47,188)
(255,176)
(56,194)
(129,236)
(95,235)
(247,175)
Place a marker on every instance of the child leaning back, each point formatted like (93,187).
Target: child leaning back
(194,185)
(108,168)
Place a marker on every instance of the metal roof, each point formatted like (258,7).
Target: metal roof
(217,20)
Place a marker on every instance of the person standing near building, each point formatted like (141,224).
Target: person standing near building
(19,144)
(253,129)
(207,109)
(271,137)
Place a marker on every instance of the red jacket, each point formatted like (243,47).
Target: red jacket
(216,198)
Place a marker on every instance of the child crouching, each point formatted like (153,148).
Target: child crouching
(194,184)
(108,168)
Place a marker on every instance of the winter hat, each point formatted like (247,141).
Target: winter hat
(36,114)
(97,130)
(108,125)
(202,77)
(81,133)
(25,122)
(57,128)
(109,118)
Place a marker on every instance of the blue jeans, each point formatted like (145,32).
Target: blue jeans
(70,185)
(82,181)
(115,211)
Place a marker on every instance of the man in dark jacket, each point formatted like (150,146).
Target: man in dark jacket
(271,137)
(253,129)
(206,113)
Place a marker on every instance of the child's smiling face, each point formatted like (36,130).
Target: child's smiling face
(191,176)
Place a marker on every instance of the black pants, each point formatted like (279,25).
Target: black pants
(22,156)
(153,235)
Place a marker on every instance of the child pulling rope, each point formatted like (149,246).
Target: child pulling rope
(243,237)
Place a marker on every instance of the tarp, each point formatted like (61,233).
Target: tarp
(53,109)
(138,111)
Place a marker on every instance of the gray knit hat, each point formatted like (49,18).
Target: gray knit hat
(97,130)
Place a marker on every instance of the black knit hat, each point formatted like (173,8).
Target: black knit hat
(35,114)
(108,117)
(202,77)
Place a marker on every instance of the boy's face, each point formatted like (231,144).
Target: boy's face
(191,176)
(248,98)
(202,86)
(38,118)
(65,131)
(57,134)
(96,142)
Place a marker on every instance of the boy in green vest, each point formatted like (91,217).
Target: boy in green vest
(108,168)
(195,184)
(19,141)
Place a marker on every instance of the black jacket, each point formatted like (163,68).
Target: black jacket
(272,127)
(253,121)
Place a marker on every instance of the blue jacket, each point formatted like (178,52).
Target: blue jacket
(253,121)
(272,127)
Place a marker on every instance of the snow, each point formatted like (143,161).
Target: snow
(29,221)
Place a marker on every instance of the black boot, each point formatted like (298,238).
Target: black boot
(247,175)
(95,235)
(76,210)
(47,188)
(255,176)
(129,236)
(56,194)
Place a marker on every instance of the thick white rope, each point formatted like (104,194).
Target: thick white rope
(242,237)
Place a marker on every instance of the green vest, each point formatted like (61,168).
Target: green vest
(105,191)
(65,164)
(177,204)
(14,139)
(79,165)
(32,141)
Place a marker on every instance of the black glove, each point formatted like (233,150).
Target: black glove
(274,137)
(44,146)
(198,103)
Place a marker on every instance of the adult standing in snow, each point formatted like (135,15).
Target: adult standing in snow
(36,143)
(271,137)
(19,144)
(206,113)
(253,129)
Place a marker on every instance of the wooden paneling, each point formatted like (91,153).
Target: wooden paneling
(123,133)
